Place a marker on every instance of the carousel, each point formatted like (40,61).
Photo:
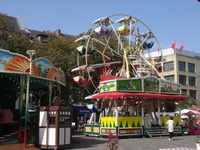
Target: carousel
(20,77)
(131,92)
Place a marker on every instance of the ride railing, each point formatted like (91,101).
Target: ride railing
(161,128)
(129,126)
(92,129)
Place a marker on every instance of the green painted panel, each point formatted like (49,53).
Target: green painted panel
(129,85)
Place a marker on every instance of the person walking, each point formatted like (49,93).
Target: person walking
(170,125)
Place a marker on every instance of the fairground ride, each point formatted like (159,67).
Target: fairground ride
(132,88)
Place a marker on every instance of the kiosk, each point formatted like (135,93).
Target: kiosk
(55,127)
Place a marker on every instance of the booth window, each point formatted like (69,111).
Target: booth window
(64,118)
(52,120)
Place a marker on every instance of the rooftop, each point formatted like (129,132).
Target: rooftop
(170,51)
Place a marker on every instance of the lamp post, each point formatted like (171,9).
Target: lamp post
(30,53)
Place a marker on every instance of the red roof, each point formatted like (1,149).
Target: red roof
(112,95)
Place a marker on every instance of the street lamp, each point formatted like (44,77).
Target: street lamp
(30,53)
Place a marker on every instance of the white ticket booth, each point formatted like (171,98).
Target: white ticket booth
(55,127)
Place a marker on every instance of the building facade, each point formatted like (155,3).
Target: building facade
(182,67)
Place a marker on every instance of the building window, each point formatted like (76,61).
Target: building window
(181,66)
(193,94)
(191,67)
(169,66)
(184,91)
(170,78)
(182,79)
(192,81)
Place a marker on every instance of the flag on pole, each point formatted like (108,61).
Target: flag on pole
(182,46)
(173,45)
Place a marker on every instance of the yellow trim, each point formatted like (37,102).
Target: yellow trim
(176,119)
(123,122)
(107,130)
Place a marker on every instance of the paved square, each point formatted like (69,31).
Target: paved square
(80,142)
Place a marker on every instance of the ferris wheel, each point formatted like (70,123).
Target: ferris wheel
(124,43)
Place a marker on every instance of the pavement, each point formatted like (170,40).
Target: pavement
(185,142)
(82,142)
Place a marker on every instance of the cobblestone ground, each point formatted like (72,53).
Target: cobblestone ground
(80,142)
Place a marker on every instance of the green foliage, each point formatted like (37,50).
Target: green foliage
(188,103)
(6,29)
(19,44)
(32,138)
(31,133)
(62,53)
(14,41)
(169,106)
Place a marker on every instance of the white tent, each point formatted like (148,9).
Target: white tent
(183,111)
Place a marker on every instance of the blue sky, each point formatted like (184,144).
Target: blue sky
(168,19)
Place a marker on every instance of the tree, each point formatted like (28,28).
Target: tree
(11,38)
(61,51)
(6,29)
(188,103)
(169,106)
(19,43)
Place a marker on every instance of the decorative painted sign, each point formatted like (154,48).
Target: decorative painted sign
(83,111)
(47,70)
(151,84)
(16,63)
(134,85)
(107,86)
(11,62)
(170,88)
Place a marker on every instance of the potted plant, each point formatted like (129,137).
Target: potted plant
(198,142)
(32,131)
(113,143)
(31,140)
